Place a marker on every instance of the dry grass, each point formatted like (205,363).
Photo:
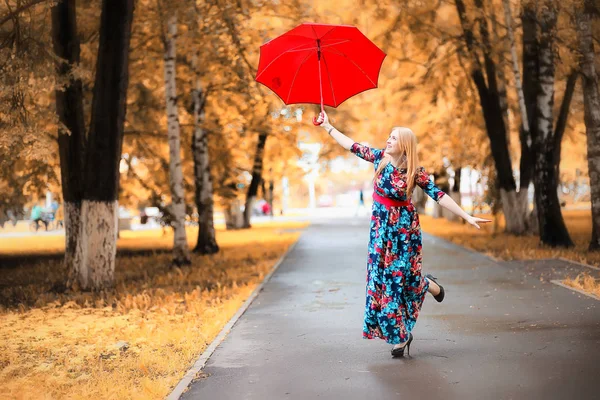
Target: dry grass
(509,247)
(62,345)
(585,282)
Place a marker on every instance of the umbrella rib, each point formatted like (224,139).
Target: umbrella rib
(328,32)
(308,48)
(335,44)
(330,83)
(278,57)
(315,32)
(355,64)
(294,80)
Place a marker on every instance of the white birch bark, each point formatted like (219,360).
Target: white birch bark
(513,216)
(99,241)
(515,65)
(181,254)
(75,247)
(523,195)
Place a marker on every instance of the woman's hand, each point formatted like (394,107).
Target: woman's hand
(323,120)
(474,221)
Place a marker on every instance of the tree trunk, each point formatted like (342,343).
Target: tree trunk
(529,112)
(553,230)
(234,219)
(563,116)
(492,114)
(256,177)
(69,109)
(502,81)
(591,99)
(100,208)
(419,200)
(455,195)
(207,242)
(181,254)
(270,198)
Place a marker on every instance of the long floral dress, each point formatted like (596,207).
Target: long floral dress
(395,287)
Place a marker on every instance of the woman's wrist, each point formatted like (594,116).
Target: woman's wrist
(326,126)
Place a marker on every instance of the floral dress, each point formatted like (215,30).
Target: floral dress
(395,287)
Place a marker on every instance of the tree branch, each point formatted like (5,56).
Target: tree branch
(13,14)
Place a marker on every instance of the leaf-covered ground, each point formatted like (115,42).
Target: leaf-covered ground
(56,344)
(508,247)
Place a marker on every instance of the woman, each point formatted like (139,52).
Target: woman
(395,287)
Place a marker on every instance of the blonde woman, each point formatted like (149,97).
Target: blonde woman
(395,286)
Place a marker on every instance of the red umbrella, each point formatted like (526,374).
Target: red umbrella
(319,64)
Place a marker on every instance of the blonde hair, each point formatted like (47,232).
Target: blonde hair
(407,143)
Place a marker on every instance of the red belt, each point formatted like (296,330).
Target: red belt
(386,201)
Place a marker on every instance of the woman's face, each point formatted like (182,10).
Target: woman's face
(392,148)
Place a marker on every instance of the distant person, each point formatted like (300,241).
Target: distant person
(395,286)
(37,213)
(361,203)
(266,208)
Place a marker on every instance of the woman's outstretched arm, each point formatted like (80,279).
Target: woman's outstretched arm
(339,137)
(448,203)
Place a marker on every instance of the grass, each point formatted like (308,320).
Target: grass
(64,345)
(584,282)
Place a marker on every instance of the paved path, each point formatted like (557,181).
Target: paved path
(501,333)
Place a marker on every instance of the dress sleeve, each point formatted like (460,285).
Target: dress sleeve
(422,179)
(366,153)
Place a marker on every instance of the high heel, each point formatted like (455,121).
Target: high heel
(440,296)
(400,352)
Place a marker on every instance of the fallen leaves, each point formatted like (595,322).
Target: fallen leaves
(137,340)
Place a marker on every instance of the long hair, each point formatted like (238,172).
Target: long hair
(407,143)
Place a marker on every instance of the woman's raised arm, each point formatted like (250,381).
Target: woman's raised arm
(339,137)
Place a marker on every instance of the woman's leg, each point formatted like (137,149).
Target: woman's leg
(434,289)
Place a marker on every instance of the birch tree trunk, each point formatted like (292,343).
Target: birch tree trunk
(525,138)
(99,209)
(455,195)
(181,253)
(256,177)
(207,242)
(69,110)
(591,98)
(553,230)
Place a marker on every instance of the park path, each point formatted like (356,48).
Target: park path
(501,332)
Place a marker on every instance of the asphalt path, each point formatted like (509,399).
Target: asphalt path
(503,331)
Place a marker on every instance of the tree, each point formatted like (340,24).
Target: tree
(71,137)
(90,165)
(492,111)
(180,246)
(552,228)
(207,242)
(257,170)
(591,95)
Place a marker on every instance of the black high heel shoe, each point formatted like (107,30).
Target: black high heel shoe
(440,296)
(400,352)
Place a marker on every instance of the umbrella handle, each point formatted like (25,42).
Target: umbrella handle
(315,123)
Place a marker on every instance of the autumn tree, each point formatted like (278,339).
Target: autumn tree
(90,162)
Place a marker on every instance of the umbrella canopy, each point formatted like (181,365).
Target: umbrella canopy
(319,64)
